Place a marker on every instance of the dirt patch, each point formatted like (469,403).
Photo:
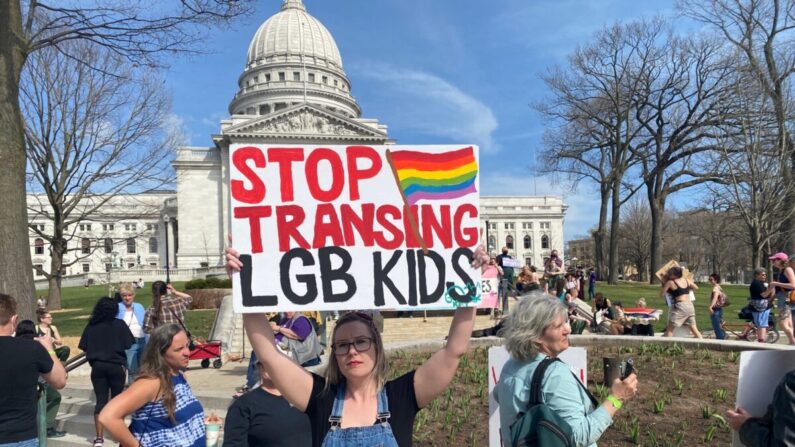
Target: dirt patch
(679,392)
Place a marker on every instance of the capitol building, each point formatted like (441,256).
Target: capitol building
(293,90)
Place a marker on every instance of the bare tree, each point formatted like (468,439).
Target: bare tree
(91,135)
(755,171)
(763,32)
(636,236)
(139,31)
(685,99)
(593,101)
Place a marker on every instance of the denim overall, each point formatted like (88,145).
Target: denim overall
(377,435)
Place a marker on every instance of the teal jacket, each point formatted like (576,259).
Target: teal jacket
(559,390)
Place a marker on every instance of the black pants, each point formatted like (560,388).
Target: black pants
(108,381)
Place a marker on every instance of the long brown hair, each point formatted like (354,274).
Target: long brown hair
(159,290)
(379,372)
(154,366)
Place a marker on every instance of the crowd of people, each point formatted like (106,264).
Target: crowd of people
(138,356)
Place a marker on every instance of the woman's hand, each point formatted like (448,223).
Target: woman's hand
(625,389)
(736,418)
(233,264)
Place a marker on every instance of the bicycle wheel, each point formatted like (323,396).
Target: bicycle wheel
(772,335)
(751,335)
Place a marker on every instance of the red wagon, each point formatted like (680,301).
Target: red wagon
(205,352)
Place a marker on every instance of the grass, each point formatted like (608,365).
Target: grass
(629,292)
(78,302)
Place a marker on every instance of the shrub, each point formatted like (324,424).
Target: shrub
(209,283)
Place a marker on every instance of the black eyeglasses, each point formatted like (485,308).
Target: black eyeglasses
(360,344)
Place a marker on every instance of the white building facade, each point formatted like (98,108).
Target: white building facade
(293,90)
(529,226)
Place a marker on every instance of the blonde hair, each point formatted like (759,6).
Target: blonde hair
(641,302)
(126,287)
(379,373)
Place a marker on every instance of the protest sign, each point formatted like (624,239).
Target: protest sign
(329,228)
(510,262)
(759,374)
(576,358)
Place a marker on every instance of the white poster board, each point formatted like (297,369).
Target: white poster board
(328,228)
(576,358)
(510,262)
(760,374)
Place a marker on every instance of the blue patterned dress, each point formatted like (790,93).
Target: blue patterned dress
(153,428)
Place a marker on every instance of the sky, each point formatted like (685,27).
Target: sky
(435,72)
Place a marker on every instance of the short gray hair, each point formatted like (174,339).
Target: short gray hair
(528,320)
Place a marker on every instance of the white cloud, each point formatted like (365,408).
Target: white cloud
(174,126)
(428,104)
(583,211)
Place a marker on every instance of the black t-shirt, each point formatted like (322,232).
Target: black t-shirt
(262,419)
(106,342)
(23,360)
(756,289)
(402,406)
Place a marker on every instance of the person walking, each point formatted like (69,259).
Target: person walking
(165,412)
(682,310)
(168,306)
(784,284)
(717,300)
(132,314)
(105,341)
(24,361)
(591,283)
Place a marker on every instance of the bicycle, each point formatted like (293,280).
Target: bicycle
(749,331)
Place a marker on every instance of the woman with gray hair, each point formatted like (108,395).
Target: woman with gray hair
(536,329)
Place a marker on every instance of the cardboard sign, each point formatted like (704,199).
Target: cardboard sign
(673,263)
(576,358)
(354,227)
(760,374)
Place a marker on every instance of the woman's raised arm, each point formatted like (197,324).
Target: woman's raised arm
(294,382)
(433,376)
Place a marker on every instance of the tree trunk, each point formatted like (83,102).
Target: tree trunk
(657,213)
(614,232)
(16,276)
(57,252)
(601,231)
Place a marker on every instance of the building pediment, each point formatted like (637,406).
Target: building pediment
(304,122)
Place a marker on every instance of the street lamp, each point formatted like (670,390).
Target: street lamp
(166,220)
(113,256)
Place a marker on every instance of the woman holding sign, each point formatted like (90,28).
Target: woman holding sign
(355,404)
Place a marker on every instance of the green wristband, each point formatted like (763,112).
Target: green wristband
(614,400)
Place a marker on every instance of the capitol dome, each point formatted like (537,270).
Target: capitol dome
(293,59)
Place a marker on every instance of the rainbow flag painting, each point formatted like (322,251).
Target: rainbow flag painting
(435,176)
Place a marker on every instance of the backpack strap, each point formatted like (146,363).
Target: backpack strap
(538,376)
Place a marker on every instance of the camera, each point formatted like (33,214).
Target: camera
(627,368)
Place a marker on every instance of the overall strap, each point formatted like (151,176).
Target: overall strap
(383,407)
(336,411)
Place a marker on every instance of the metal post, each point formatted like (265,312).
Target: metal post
(42,415)
(168,277)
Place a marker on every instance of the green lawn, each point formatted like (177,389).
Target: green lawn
(629,292)
(78,302)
